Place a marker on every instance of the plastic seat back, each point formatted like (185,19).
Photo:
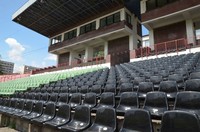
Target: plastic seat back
(105,120)
(180,121)
(128,100)
(90,100)
(192,85)
(156,103)
(188,101)
(137,120)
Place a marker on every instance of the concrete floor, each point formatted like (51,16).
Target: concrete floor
(6,129)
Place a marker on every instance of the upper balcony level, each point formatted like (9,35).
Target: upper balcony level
(104,28)
(155,9)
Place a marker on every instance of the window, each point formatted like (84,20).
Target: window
(128,18)
(70,35)
(56,39)
(87,28)
(110,19)
(116,17)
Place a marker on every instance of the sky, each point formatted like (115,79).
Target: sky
(21,45)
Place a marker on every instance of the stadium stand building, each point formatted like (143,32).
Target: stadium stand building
(6,67)
(152,94)
(171,21)
(85,31)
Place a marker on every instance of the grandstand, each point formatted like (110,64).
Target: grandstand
(104,80)
(136,93)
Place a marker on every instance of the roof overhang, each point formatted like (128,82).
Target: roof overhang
(50,17)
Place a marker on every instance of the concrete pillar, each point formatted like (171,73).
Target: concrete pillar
(88,53)
(151,39)
(143,6)
(105,49)
(97,23)
(190,31)
(78,31)
(72,57)
(132,46)
(62,37)
(122,15)
(133,37)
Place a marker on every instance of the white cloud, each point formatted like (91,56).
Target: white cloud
(18,68)
(51,57)
(16,49)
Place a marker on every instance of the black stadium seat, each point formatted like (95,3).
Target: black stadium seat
(195,75)
(137,120)
(192,85)
(106,100)
(125,87)
(62,116)
(188,101)
(63,99)
(170,88)
(47,115)
(90,100)
(105,120)
(36,111)
(156,103)
(80,120)
(156,81)
(128,101)
(180,121)
(27,109)
(75,100)
(144,88)
(179,80)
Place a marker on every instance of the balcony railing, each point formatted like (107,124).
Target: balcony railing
(163,48)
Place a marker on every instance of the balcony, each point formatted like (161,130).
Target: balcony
(89,36)
(169,9)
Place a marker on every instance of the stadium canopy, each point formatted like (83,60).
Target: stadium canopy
(49,17)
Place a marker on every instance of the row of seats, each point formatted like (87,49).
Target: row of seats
(105,119)
(155,102)
(22,84)
(169,87)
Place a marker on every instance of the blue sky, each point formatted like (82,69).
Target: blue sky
(19,44)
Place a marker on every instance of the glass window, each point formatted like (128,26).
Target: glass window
(87,28)
(110,20)
(128,18)
(56,39)
(103,22)
(70,35)
(93,25)
(66,36)
(117,17)
(82,30)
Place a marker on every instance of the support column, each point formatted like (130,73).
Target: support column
(143,6)
(97,24)
(105,49)
(190,31)
(72,57)
(88,53)
(78,31)
(122,14)
(151,39)
(132,42)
